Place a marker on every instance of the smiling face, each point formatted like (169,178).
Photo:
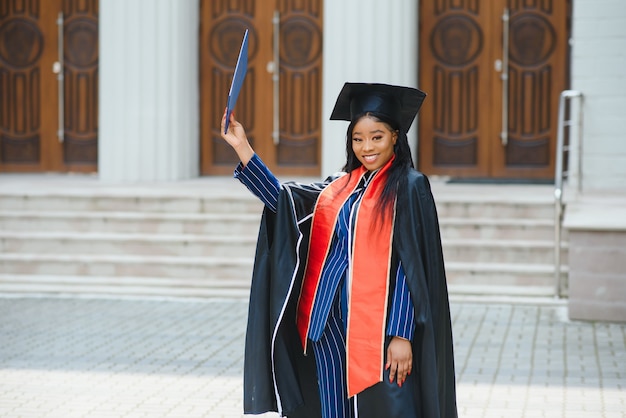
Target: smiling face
(372,142)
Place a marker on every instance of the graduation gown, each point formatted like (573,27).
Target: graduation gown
(277,374)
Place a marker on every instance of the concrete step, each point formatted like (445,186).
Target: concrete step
(187,245)
(242,223)
(496,292)
(160,203)
(226,201)
(183,245)
(105,265)
(497,228)
(449,207)
(503,274)
(246,224)
(124,286)
(501,251)
(199,239)
(463,278)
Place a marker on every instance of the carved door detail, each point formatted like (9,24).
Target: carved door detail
(297,150)
(485,118)
(32,136)
(80,144)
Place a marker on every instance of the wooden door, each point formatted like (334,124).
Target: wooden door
(298,148)
(478,123)
(80,45)
(32,135)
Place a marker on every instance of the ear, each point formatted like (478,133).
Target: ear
(394,137)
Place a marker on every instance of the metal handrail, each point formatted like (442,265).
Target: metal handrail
(504,76)
(59,70)
(560,174)
(276,78)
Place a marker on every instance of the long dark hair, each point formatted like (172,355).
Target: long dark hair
(398,172)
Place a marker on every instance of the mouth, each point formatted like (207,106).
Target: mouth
(370,158)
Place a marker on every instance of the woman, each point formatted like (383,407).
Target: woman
(351,271)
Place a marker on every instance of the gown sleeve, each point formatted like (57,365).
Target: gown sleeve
(260,181)
(402,315)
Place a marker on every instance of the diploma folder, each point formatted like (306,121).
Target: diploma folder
(240,73)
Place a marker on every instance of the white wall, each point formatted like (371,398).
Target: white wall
(149,103)
(599,72)
(365,41)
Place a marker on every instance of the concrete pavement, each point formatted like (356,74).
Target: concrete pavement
(123,357)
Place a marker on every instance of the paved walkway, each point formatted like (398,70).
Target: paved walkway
(82,357)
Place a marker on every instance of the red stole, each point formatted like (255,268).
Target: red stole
(368,279)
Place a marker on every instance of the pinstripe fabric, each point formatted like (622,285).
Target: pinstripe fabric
(330,356)
(260,181)
(334,271)
(401,321)
(327,328)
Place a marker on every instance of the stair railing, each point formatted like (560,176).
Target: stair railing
(560,174)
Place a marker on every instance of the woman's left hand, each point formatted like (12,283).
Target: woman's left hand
(399,359)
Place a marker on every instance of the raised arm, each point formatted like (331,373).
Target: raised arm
(252,172)
(236,138)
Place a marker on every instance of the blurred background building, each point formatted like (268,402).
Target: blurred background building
(134,91)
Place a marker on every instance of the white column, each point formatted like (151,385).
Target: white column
(149,103)
(598,59)
(369,41)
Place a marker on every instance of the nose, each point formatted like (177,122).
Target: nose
(367,144)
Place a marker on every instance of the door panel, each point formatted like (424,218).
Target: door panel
(29,105)
(27,85)
(537,75)
(298,151)
(222,26)
(456,75)
(80,145)
(461,44)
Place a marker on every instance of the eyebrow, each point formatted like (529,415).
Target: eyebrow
(371,132)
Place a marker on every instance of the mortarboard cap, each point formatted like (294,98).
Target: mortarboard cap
(396,102)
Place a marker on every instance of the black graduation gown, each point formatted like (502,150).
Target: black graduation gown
(279,377)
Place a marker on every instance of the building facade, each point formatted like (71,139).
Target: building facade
(134,91)
(595,214)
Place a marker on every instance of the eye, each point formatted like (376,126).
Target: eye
(356,139)
(377,138)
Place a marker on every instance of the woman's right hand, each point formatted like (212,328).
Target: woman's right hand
(236,138)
